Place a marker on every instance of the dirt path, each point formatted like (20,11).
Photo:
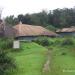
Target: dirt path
(46,67)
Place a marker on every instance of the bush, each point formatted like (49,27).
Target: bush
(51,27)
(6,43)
(67,42)
(63,53)
(43,41)
(57,41)
(6,63)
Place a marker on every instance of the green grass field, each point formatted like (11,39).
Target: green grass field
(30,59)
(63,64)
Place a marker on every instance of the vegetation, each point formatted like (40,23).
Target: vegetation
(11,20)
(68,42)
(30,59)
(62,56)
(42,41)
(6,43)
(53,19)
(63,60)
(7,63)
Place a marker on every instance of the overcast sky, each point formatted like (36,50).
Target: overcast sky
(15,7)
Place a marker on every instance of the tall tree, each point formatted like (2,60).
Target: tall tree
(11,20)
(57,18)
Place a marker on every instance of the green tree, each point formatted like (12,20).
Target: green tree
(11,20)
(25,19)
(58,18)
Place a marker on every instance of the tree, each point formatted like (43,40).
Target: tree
(58,18)
(11,20)
(39,18)
(25,19)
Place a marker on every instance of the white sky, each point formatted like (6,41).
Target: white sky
(15,7)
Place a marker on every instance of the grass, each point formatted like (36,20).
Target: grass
(30,59)
(63,64)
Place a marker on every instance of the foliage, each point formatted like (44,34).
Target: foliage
(6,43)
(6,63)
(51,27)
(43,41)
(63,58)
(28,58)
(57,18)
(67,41)
(25,19)
(63,53)
(11,20)
(58,41)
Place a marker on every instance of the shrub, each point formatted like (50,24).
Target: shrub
(43,41)
(67,42)
(63,53)
(6,43)
(6,63)
(57,42)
